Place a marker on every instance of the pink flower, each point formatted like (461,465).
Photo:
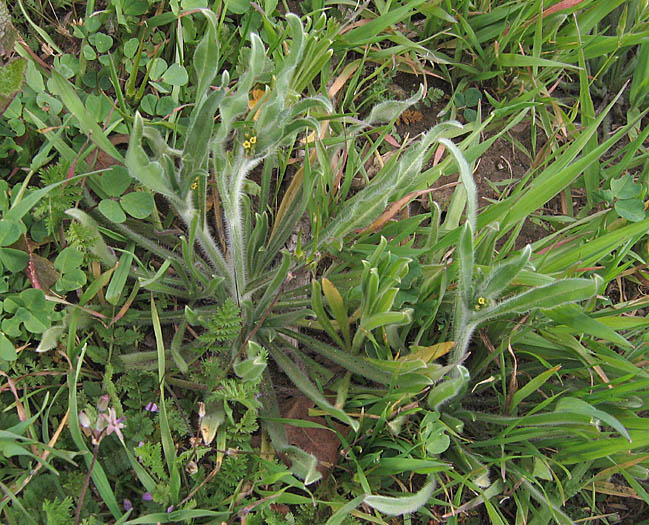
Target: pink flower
(127,504)
(151,407)
(84,420)
(147,496)
(102,404)
(113,424)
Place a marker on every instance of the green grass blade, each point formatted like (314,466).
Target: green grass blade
(68,94)
(165,432)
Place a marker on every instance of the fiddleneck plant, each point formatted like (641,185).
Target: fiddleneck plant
(228,135)
(210,148)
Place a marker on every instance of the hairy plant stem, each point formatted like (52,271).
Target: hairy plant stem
(217,261)
(235,223)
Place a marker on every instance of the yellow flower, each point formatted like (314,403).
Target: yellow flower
(246,144)
(253,140)
(482,301)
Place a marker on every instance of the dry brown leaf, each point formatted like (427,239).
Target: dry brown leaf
(322,443)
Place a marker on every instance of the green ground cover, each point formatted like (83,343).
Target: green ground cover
(323,262)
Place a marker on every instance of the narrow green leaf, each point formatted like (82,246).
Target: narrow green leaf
(118,281)
(206,60)
(337,305)
(548,296)
(68,94)
(502,275)
(532,386)
(574,405)
(165,432)
(308,388)
(580,322)
(397,506)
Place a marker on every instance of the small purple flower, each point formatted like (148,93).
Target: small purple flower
(147,496)
(151,407)
(170,509)
(140,444)
(127,504)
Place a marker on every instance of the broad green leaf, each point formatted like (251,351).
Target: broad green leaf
(502,275)
(253,367)
(199,134)
(11,80)
(13,260)
(112,211)
(447,389)
(214,417)
(303,464)
(337,305)
(390,109)
(138,204)
(50,338)
(101,41)
(10,231)
(176,75)
(115,181)
(7,349)
(625,187)
(68,259)
(140,167)
(387,319)
(71,280)
(631,209)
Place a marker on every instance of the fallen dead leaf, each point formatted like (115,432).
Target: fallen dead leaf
(322,443)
